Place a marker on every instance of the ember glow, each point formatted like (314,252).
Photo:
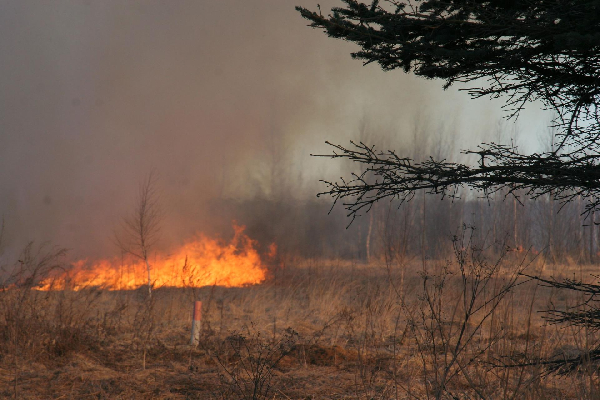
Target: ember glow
(199,262)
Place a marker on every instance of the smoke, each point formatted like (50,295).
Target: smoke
(223,99)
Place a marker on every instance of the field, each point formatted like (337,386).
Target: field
(464,328)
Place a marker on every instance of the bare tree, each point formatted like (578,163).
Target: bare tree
(140,230)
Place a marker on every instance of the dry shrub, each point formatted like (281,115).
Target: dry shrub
(248,361)
(38,323)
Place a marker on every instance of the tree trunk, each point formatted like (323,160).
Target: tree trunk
(149,280)
(515,222)
(368,244)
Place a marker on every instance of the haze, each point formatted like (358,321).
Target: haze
(210,95)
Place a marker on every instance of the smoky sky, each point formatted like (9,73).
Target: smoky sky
(212,95)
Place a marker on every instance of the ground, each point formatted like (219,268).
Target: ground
(315,330)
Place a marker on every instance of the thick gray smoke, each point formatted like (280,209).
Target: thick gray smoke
(223,99)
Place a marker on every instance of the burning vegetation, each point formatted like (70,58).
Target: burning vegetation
(201,261)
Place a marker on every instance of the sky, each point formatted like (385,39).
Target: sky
(222,99)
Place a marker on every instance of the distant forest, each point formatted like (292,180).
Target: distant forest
(422,227)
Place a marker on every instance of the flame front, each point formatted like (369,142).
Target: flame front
(200,262)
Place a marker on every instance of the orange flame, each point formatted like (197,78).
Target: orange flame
(200,262)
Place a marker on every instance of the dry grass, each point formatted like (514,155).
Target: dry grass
(316,330)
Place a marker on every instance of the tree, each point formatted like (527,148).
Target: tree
(140,229)
(519,50)
(522,50)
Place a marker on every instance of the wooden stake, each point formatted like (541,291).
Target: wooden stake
(196,323)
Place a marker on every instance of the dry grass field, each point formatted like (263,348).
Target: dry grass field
(463,328)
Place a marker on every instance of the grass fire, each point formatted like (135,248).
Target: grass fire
(199,262)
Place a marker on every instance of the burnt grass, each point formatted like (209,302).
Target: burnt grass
(315,330)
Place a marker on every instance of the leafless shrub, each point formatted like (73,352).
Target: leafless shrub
(449,319)
(40,324)
(248,362)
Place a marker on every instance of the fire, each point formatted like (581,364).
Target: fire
(201,261)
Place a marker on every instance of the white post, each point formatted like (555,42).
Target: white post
(196,323)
